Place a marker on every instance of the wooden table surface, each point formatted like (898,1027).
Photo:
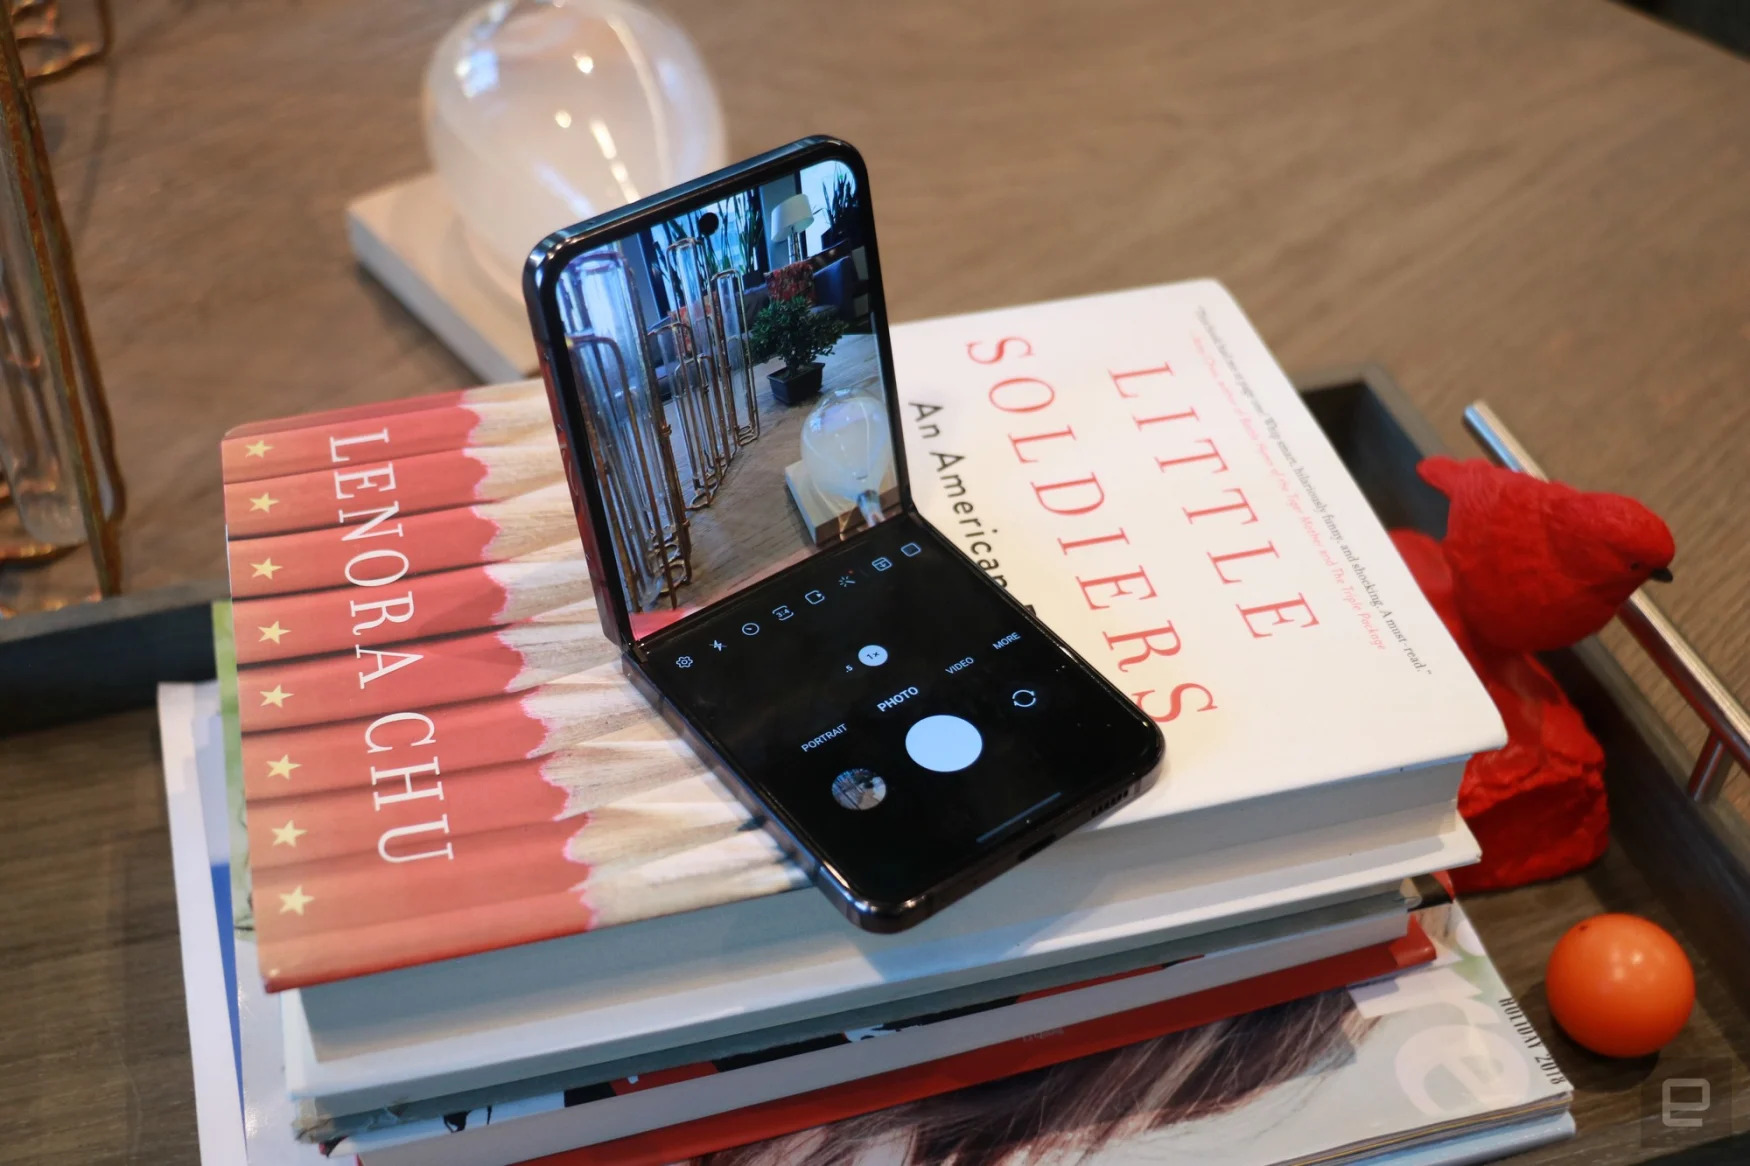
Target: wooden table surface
(1545,203)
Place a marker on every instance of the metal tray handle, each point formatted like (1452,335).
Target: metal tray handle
(1728,724)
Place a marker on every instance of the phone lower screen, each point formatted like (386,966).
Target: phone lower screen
(898,712)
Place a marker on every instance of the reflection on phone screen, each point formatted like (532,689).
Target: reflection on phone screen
(727,360)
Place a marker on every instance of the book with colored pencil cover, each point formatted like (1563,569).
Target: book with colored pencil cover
(441,756)
(438,750)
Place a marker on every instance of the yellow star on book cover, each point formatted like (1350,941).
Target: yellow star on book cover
(266,567)
(256,449)
(283,767)
(287,835)
(295,900)
(276,696)
(264,503)
(272,631)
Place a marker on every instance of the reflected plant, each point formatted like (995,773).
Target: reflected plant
(844,206)
(751,229)
(731,245)
(792,329)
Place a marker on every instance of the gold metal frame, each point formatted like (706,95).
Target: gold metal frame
(52,253)
(730,345)
(36,24)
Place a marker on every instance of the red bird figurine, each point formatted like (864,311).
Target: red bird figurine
(1537,565)
(1531,566)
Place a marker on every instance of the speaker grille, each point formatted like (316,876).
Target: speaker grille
(1110,802)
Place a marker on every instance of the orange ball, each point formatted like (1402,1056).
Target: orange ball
(1620,985)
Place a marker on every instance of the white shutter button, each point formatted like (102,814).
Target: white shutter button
(944,743)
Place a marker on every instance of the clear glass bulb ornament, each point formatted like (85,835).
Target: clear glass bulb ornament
(847,448)
(541,113)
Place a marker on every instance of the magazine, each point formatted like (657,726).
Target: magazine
(919,1053)
(1418,1059)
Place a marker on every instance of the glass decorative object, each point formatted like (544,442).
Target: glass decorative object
(702,398)
(697,466)
(847,448)
(605,336)
(56,447)
(542,113)
(734,365)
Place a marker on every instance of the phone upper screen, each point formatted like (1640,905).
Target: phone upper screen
(726,359)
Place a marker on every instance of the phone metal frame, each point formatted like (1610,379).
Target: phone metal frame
(540,282)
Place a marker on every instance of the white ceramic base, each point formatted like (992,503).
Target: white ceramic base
(408,236)
(826,516)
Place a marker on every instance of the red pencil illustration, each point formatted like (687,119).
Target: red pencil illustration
(739,867)
(633,761)
(474,417)
(437,932)
(595,712)
(376,681)
(440,752)
(371,496)
(422,867)
(306,827)
(513,390)
(674,819)
(434,541)
(282,627)
(743,865)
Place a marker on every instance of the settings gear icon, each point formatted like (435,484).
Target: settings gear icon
(684,662)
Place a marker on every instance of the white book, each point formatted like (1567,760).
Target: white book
(1137,468)
(243,1116)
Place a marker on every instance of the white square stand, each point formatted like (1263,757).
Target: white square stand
(829,517)
(408,236)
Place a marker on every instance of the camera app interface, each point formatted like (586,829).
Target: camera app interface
(900,715)
(727,362)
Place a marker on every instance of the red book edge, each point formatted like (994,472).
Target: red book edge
(804,1111)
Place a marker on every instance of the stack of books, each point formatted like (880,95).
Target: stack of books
(489,910)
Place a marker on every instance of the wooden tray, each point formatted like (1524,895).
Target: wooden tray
(1672,859)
